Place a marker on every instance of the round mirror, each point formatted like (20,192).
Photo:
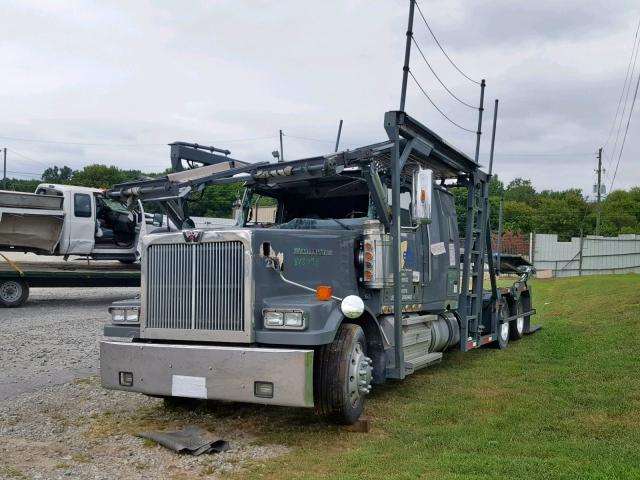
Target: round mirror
(352,306)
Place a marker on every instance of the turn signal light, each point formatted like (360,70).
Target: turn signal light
(324,293)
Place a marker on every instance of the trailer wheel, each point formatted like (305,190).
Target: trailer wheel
(13,293)
(503,328)
(342,376)
(516,327)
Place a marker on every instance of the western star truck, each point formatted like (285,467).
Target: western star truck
(363,277)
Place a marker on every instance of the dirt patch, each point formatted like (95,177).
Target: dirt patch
(79,430)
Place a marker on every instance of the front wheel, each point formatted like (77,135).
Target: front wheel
(342,376)
(13,293)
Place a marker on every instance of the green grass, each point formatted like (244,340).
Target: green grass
(561,404)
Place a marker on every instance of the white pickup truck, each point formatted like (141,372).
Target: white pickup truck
(69,220)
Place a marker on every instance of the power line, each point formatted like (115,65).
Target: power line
(624,138)
(61,142)
(27,157)
(438,78)
(540,154)
(24,173)
(436,107)
(318,140)
(442,49)
(624,86)
(626,98)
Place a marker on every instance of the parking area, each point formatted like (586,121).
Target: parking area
(56,421)
(53,338)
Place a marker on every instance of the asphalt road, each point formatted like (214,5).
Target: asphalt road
(53,338)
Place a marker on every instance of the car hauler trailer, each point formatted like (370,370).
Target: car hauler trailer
(18,277)
(360,279)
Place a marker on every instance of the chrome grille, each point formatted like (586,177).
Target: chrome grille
(196,286)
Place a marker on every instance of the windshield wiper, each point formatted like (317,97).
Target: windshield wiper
(341,224)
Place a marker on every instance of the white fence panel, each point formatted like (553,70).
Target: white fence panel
(591,255)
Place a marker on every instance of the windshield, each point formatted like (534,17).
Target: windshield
(317,205)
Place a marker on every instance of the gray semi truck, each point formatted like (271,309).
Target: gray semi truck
(363,277)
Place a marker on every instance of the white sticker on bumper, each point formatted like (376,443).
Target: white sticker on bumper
(185,386)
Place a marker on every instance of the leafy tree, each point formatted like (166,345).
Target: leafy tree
(103,176)
(57,175)
(521,190)
(215,201)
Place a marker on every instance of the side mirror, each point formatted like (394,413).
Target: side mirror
(157,219)
(422,194)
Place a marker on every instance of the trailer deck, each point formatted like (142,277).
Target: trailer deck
(17,277)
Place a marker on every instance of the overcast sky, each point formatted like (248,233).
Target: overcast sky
(137,75)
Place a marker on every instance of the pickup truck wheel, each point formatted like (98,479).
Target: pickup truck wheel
(342,376)
(13,293)
(516,327)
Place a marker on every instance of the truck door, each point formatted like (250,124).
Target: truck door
(81,224)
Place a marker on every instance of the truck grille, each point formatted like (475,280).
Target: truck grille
(196,286)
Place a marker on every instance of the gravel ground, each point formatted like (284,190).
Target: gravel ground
(53,338)
(57,422)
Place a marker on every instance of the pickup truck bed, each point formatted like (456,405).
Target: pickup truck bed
(30,222)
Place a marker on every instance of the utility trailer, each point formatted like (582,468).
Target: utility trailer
(360,279)
(18,277)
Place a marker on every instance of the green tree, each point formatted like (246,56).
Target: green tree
(103,176)
(521,190)
(57,175)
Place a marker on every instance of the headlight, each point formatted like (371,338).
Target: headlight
(286,319)
(273,319)
(293,319)
(124,315)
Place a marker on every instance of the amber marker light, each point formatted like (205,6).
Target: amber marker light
(324,293)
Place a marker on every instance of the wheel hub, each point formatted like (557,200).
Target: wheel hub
(10,291)
(360,369)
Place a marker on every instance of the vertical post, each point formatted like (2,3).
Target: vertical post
(338,139)
(407,56)
(480,110)
(4,176)
(281,151)
(531,247)
(499,242)
(598,194)
(493,137)
(396,233)
(580,259)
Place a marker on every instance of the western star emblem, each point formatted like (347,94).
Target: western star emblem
(192,236)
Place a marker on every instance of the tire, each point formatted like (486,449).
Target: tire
(13,293)
(516,327)
(503,329)
(342,376)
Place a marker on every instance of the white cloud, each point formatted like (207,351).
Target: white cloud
(153,72)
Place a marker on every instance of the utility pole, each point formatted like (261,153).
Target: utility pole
(599,191)
(4,176)
(281,151)
(338,138)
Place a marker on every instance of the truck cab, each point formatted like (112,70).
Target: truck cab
(359,278)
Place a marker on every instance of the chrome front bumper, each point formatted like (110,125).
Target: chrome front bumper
(211,372)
